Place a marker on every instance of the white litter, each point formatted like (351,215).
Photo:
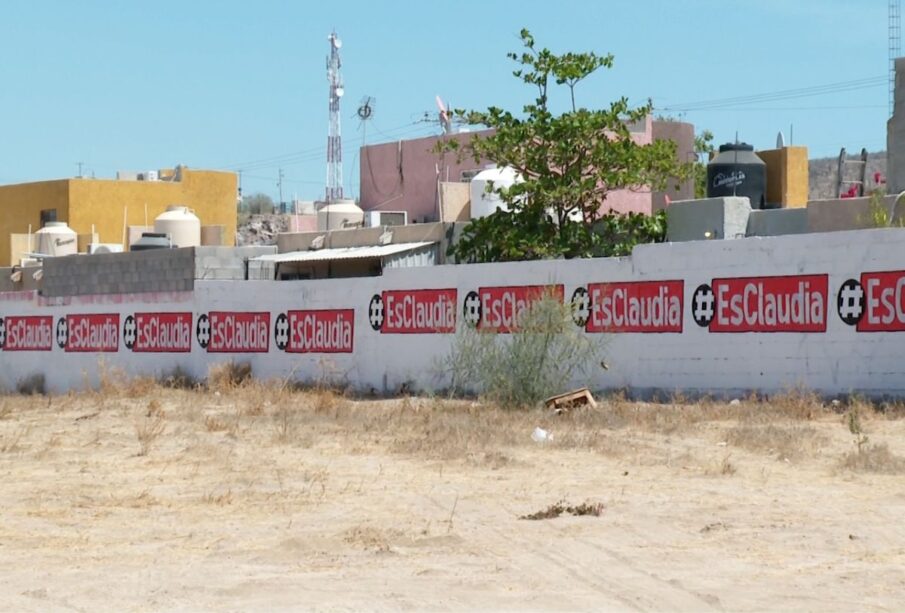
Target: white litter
(541,436)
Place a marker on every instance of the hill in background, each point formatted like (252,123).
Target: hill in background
(823,174)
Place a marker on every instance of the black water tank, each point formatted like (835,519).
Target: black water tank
(151,240)
(737,171)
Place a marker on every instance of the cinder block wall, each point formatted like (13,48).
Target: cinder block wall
(158,270)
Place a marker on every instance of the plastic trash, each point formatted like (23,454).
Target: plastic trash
(734,402)
(541,436)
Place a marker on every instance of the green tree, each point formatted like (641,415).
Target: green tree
(258,203)
(568,163)
(703,147)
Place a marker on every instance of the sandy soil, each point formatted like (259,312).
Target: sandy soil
(251,502)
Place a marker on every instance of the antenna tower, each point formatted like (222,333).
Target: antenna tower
(895,49)
(334,139)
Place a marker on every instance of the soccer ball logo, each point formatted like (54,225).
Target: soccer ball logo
(850,302)
(702,307)
(581,306)
(203,330)
(130,331)
(281,332)
(471,309)
(62,332)
(375,312)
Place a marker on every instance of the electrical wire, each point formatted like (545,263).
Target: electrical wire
(788,94)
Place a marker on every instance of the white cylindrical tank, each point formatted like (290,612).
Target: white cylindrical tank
(56,239)
(483,203)
(181,224)
(338,215)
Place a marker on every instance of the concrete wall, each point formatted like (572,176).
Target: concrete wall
(718,332)
(707,219)
(107,204)
(777,222)
(362,237)
(843,214)
(895,134)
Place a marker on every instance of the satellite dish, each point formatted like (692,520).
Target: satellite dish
(339,92)
(337,43)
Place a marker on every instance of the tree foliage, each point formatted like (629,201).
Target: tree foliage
(568,163)
(703,147)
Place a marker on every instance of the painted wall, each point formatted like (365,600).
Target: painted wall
(104,202)
(21,205)
(402,175)
(826,311)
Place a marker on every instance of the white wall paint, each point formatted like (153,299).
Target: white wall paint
(844,358)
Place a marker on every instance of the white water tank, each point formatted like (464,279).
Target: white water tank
(484,203)
(181,224)
(338,215)
(56,239)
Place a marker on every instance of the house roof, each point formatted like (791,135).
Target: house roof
(343,253)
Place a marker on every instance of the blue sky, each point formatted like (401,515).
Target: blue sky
(230,84)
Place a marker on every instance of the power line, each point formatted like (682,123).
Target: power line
(788,94)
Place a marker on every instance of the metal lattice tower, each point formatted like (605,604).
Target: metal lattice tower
(895,49)
(334,139)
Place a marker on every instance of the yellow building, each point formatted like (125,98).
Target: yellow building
(109,205)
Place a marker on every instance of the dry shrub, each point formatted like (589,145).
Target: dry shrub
(228,376)
(325,400)
(147,431)
(10,443)
(876,458)
(178,378)
(31,385)
(219,498)
(796,403)
(5,409)
(215,424)
(787,442)
(594,509)
(138,387)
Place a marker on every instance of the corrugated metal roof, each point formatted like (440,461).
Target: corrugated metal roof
(343,253)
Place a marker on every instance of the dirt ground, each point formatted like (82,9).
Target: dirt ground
(258,498)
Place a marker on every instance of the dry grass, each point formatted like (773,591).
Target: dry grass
(148,430)
(228,375)
(873,458)
(785,442)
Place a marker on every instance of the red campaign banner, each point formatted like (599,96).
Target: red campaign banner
(501,307)
(29,333)
(321,331)
(93,332)
(795,303)
(636,306)
(426,311)
(241,332)
(884,302)
(163,333)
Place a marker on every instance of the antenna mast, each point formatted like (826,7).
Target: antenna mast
(895,49)
(334,140)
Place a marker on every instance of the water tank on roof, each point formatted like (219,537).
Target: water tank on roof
(181,224)
(737,171)
(56,239)
(151,240)
(338,215)
(483,203)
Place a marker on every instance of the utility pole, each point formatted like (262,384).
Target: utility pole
(334,190)
(895,49)
(79,164)
(280,185)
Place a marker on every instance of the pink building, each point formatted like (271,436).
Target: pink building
(404,175)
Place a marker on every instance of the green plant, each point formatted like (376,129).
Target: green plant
(878,213)
(542,354)
(567,164)
(853,421)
